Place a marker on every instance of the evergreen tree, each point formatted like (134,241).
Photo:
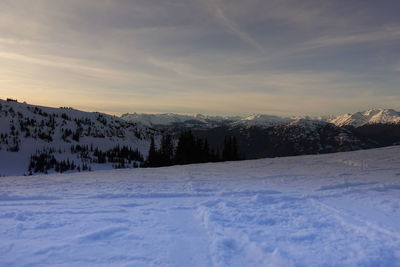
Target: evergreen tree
(191,149)
(185,151)
(167,150)
(230,150)
(205,157)
(154,157)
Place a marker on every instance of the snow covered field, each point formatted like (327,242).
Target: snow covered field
(326,210)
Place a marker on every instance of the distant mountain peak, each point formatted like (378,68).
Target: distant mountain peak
(370,116)
(261,120)
(171,119)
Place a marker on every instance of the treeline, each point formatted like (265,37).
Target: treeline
(190,149)
(120,157)
(44,161)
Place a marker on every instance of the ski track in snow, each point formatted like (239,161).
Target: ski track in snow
(327,210)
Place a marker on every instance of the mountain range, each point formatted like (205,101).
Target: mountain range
(357,119)
(263,135)
(37,139)
(371,116)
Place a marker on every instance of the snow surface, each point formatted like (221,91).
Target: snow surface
(324,210)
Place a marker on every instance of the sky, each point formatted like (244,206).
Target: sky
(222,57)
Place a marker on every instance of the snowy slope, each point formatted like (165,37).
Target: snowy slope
(327,210)
(370,116)
(26,129)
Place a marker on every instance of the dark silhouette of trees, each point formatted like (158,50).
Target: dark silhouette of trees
(154,157)
(166,150)
(44,161)
(230,150)
(121,157)
(189,149)
(186,149)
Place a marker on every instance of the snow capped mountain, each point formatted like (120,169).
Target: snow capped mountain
(172,119)
(261,120)
(202,121)
(371,116)
(156,119)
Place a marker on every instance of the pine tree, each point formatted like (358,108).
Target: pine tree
(185,151)
(167,150)
(205,152)
(230,150)
(153,159)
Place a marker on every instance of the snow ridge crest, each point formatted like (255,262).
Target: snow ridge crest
(370,116)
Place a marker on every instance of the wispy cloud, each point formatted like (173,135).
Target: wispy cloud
(233,27)
(382,35)
(76,65)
